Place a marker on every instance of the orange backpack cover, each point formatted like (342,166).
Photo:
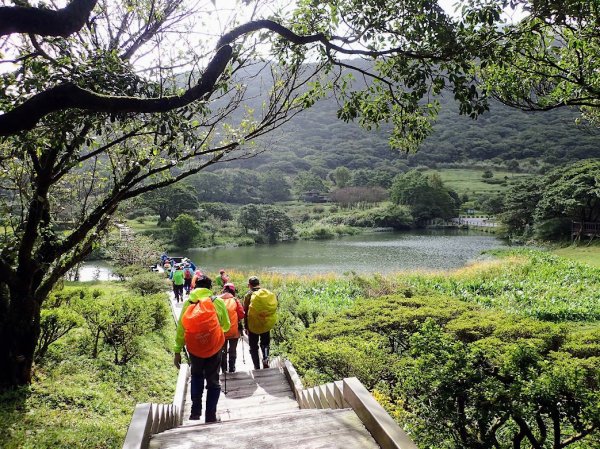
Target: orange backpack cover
(231,304)
(203,334)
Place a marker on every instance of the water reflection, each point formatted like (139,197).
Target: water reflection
(92,270)
(363,254)
(367,253)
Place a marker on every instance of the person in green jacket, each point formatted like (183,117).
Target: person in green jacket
(221,279)
(178,281)
(203,368)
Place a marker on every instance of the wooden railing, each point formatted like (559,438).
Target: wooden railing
(585,228)
(350,393)
(149,419)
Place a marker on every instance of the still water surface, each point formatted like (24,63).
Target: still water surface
(382,252)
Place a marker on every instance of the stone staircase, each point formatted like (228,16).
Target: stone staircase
(260,411)
(269,409)
(302,429)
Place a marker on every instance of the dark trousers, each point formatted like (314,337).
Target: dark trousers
(253,342)
(229,352)
(178,291)
(204,370)
(187,285)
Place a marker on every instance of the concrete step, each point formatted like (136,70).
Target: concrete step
(302,429)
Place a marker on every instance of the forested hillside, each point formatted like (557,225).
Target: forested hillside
(317,139)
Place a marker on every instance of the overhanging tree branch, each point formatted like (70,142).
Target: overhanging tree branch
(320,38)
(45,22)
(69,96)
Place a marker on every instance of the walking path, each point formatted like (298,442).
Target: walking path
(269,409)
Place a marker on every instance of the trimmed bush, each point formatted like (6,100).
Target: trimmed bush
(148,283)
(457,376)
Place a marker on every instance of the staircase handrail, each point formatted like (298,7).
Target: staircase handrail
(151,418)
(350,393)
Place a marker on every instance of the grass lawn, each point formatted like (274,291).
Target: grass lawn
(469,181)
(584,254)
(144,224)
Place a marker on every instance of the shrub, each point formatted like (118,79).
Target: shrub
(54,324)
(553,229)
(63,297)
(217,210)
(140,250)
(119,321)
(158,309)
(460,376)
(318,232)
(126,320)
(127,272)
(185,230)
(147,283)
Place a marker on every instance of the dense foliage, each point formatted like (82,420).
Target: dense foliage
(170,201)
(271,223)
(466,359)
(426,196)
(546,206)
(457,376)
(82,399)
(547,59)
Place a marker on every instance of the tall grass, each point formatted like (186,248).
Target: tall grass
(524,282)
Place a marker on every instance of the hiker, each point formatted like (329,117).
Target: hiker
(236,315)
(202,326)
(167,268)
(197,275)
(260,306)
(177,277)
(188,274)
(187,261)
(222,278)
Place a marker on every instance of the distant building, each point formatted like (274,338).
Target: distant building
(314,196)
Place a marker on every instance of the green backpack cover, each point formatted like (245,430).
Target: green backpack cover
(262,312)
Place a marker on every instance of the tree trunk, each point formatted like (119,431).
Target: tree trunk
(19,332)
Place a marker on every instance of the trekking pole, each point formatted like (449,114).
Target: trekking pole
(243,357)
(225,372)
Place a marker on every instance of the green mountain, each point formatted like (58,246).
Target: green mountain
(317,140)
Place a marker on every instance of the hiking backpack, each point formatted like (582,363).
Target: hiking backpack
(203,334)
(232,310)
(262,312)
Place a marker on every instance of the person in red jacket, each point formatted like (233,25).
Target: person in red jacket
(235,310)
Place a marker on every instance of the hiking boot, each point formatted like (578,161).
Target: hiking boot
(194,417)
(212,398)
(212,417)
(255,360)
(265,363)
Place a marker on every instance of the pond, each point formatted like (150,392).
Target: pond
(93,270)
(382,252)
